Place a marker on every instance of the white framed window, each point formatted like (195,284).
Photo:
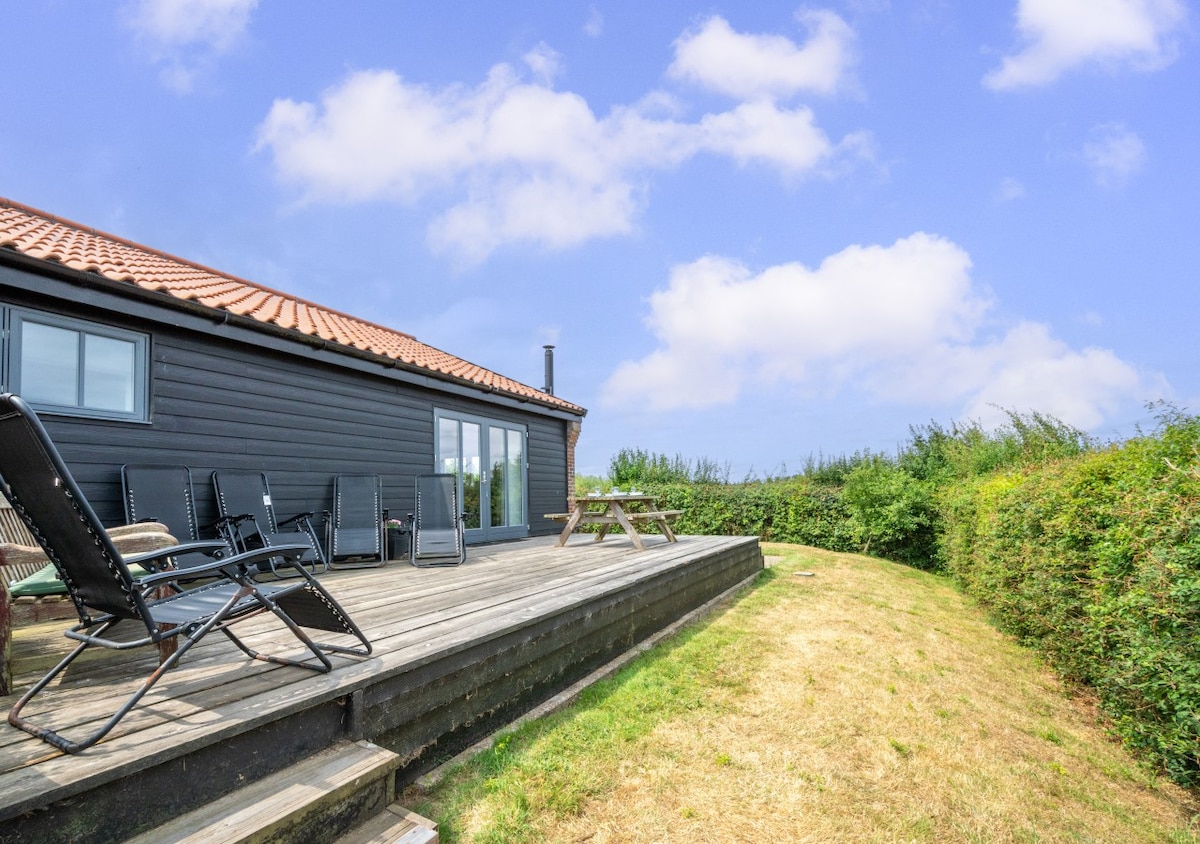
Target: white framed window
(70,366)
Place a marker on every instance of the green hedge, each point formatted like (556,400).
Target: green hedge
(1089,554)
(1095,561)
(793,510)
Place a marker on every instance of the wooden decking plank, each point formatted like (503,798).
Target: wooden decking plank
(413,617)
(188,689)
(395,825)
(254,810)
(184,689)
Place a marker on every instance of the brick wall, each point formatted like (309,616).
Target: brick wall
(573,429)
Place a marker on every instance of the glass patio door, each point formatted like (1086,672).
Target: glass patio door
(488,457)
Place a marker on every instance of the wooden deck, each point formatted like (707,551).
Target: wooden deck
(458,652)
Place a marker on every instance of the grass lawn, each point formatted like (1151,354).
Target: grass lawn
(866,702)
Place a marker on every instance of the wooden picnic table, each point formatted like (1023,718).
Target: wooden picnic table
(626,509)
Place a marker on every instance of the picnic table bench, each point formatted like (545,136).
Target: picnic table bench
(617,510)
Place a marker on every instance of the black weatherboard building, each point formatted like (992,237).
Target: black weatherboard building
(133,356)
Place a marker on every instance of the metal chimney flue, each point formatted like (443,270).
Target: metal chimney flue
(549,388)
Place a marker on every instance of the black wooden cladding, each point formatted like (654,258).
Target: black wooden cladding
(301,417)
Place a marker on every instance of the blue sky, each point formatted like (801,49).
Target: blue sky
(755,232)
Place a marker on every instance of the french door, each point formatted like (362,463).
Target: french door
(488,458)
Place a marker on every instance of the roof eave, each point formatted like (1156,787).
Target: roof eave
(88,278)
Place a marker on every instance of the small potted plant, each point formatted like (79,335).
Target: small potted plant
(396,530)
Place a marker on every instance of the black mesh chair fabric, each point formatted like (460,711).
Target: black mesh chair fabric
(248,519)
(43,494)
(163,494)
(357,525)
(437,525)
(34,478)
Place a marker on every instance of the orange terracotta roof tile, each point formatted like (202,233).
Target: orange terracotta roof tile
(39,235)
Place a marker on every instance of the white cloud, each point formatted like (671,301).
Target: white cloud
(901,322)
(557,213)
(184,36)
(544,62)
(1031,370)
(214,23)
(1025,369)
(375,137)
(761,132)
(1114,154)
(1064,34)
(746,66)
(717,321)
(516,160)
(593,27)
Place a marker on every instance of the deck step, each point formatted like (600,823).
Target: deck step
(315,800)
(395,825)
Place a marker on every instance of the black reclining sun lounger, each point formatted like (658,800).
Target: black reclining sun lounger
(34,478)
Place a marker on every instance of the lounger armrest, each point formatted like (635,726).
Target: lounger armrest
(299,517)
(205,546)
(238,561)
(291,551)
(233,521)
(161,559)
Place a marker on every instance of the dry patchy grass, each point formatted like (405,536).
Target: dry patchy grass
(869,702)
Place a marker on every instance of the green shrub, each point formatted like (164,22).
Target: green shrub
(635,467)
(891,512)
(1090,555)
(791,510)
(1095,561)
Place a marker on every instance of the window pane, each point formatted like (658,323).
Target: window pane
(472,466)
(496,455)
(49,364)
(109,373)
(448,446)
(516,475)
